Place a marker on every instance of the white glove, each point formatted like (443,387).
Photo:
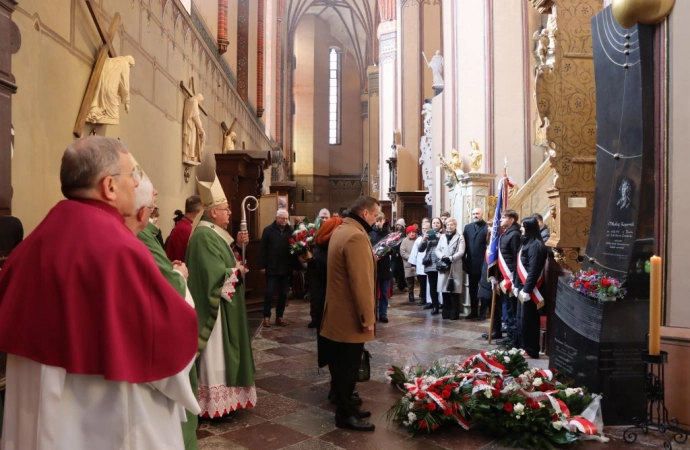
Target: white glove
(516,292)
(494,281)
(524,296)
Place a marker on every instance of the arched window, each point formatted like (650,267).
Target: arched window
(334,61)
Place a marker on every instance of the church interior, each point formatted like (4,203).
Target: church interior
(424,105)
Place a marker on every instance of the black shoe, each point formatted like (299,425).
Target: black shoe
(505,342)
(353,423)
(383,320)
(494,335)
(355,399)
(435,311)
(428,306)
(422,302)
(445,315)
(223,419)
(471,316)
(481,317)
(411,298)
(311,325)
(454,317)
(362,414)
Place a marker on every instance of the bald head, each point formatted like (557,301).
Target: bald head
(477,215)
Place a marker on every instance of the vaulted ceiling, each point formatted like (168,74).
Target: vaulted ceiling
(352,22)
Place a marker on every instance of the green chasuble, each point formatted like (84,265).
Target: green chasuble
(148,237)
(209,260)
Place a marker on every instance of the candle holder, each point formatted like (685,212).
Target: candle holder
(656,413)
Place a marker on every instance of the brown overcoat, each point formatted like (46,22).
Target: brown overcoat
(350,291)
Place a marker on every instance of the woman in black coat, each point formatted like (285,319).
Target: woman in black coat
(528,278)
(384,274)
(428,245)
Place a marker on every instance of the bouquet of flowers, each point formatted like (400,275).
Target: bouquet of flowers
(597,285)
(302,238)
(498,393)
(385,245)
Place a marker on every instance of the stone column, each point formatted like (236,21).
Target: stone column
(387,35)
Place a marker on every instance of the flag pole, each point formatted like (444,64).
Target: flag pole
(493,290)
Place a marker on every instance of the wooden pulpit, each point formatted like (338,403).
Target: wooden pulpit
(241,173)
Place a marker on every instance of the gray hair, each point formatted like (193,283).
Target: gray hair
(282,210)
(143,194)
(324,210)
(88,160)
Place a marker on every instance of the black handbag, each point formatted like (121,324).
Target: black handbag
(426,261)
(450,285)
(441,266)
(364,373)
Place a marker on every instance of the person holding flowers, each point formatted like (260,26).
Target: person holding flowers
(384,275)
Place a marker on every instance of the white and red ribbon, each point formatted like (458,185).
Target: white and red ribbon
(535,295)
(507,283)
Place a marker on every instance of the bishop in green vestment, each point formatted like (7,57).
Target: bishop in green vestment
(226,362)
(175,274)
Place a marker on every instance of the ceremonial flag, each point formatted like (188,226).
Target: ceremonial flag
(492,248)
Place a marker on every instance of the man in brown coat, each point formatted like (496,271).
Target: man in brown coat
(349,317)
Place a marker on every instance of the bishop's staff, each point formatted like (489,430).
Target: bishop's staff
(243,222)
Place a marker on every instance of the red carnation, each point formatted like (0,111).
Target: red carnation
(495,393)
(588,285)
(422,424)
(498,384)
(508,407)
(447,387)
(445,394)
(421,395)
(605,282)
(465,398)
(543,387)
(447,412)
(431,407)
(292,240)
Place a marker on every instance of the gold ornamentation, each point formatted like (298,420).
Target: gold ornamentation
(476,157)
(648,12)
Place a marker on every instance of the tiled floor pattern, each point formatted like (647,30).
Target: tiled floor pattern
(293,412)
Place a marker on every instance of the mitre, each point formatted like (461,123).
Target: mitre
(211,193)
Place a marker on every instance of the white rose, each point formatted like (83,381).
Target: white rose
(569,392)
(557,425)
(506,359)
(487,393)
(518,408)
(537,382)
(411,417)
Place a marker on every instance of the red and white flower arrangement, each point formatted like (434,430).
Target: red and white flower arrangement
(302,239)
(597,285)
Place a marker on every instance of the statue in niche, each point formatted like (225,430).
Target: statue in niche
(112,89)
(193,134)
(543,41)
(436,66)
(476,157)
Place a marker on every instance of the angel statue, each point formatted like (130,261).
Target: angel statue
(476,157)
(543,41)
(452,167)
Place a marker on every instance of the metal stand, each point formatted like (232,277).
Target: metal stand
(657,414)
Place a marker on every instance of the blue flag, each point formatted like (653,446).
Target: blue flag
(492,249)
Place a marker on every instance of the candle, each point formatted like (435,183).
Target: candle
(655,306)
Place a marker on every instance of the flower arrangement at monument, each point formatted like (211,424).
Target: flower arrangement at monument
(385,245)
(494,392)
(301,240)
(597,285)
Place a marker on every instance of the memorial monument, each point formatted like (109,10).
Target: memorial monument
(600,344)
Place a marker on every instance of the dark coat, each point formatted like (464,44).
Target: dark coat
(533,257)
(475,247)
(274,250)
(383,265)
(545,233)
(509,244)
(485,290)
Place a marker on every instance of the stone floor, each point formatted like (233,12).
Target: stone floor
(293,411)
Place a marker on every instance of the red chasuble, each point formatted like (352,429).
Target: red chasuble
(176,247)
(83,293)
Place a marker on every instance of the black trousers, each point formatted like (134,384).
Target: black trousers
(498,314)
(474,291)
(343,363)
(433,285)
(528,327)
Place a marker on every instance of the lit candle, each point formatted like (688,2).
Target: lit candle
(655,306)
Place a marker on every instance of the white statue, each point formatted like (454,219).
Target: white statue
(543,41)
(193,134)
(436,66)
(426,158)
(112,89)
(229,141)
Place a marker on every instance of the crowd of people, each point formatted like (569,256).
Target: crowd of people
(140,335)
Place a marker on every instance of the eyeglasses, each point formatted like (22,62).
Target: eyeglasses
(282,218)
(150,208)
(222,209)
(135,173)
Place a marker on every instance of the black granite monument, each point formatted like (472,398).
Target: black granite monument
(600,344)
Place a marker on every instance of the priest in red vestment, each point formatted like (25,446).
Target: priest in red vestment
(176,246)
(100,345)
